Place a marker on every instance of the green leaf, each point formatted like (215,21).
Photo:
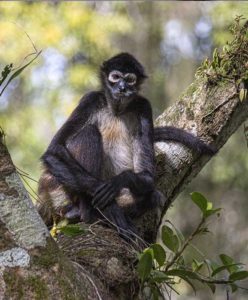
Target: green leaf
(225,267)
(211,212)
(234,287)
(145,265)
(169,239)
(196,265)
(159,253)
(183,273)
(180,261)
(205,206)
(229,262)
(211,265)
(159,276)
(7,69)
(200,201)
(209,206)
(72,229)
(18,72)
(238,275)
(242,94)
(155,292)
(226,260)
(177,232)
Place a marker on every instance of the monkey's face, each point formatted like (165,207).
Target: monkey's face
(122,85)
(121,76)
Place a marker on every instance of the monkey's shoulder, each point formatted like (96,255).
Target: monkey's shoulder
(92,101)
(141,105)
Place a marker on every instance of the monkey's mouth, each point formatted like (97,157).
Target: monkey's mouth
(121,95)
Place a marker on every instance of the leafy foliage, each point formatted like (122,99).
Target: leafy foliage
(67,229)
(164,264)
(231,63)
(11,73)
(6,71)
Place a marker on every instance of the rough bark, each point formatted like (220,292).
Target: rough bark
(99,264)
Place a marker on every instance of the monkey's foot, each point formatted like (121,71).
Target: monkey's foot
(72,212)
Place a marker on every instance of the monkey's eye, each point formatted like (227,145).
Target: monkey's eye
(114,76)
(130,78)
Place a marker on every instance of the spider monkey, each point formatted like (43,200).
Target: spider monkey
(102,158)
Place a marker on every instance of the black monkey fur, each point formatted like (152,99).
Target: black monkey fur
(101,161)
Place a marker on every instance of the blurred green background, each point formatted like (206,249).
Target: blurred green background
(170,39)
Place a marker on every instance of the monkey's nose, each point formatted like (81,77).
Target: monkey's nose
(122,87)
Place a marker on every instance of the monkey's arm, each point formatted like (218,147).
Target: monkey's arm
(141,180)
(68,171)
(58,158)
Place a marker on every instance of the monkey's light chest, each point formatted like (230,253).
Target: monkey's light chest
(117,144)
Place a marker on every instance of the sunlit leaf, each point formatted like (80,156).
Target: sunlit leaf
(72,229)
(196,266)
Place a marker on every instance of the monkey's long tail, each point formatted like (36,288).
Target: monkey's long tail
(169,133)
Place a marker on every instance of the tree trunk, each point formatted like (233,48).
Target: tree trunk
(99,264)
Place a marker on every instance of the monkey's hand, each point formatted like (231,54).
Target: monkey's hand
(106,193)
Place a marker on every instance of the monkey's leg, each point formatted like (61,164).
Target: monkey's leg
(52,198)
(55,201)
